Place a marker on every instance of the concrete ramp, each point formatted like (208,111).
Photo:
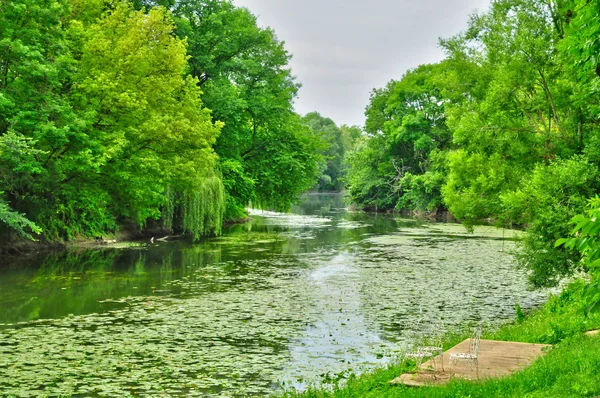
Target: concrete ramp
(496,359)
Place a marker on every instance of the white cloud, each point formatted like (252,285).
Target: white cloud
(344,49)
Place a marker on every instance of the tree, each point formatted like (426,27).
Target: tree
(244,75)
(519,126)
(581,50)
(35,113)
(351,136)
(151,134)
(521,117)
(504,130)
(333,155)
(546,202)
(100,124)
(407,128)
(586,240)
(17,222)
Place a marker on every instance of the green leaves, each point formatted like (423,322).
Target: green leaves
(17,221)
(586,240)
(102,121)
(398,167)
(267,156)
(333,150)
(515,127)
(99,117)
(150,125)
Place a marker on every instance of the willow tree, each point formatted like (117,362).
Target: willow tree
(150,136)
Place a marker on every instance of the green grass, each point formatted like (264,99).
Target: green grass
(560,318)
(570,369)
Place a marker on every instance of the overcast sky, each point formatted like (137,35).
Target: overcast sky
(344,48)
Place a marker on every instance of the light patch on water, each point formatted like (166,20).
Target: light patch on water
(339,335)
(339,266)
(350,225)
(291,220)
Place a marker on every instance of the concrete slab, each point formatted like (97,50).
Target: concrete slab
(496,359)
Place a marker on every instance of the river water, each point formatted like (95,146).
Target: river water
(284,301)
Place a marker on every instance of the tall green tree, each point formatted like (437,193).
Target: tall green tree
(333,153)
(514,134)
(517,140)
(100,123)
(351,135)
(523,117)
(243,72)
(581,48)
(154,135)
(35,112)
(407,126)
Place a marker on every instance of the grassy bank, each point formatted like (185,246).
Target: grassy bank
(570,369)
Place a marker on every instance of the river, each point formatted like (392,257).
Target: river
(283,301)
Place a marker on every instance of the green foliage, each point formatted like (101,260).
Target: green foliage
(503,131)
(16,156)
(104,116)
(582,43)
(267,156)
(523,117)
(546,201)
(516,141)
(239,189)
(424,191)
(203,207)
(581,50)
(17,222)
(586,240)
(333,156)
(99,118)
(401,165)
(285,165)
(149,120)
(351,136)
(520,313)
(34,112)
(370,172)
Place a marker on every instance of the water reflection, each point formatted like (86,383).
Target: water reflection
(297,299)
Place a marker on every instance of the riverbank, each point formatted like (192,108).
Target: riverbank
(570,369)
(436,215)
(15,245)
(19,246)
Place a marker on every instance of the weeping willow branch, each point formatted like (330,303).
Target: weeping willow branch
(201,209)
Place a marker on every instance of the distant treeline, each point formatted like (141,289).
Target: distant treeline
(506,129)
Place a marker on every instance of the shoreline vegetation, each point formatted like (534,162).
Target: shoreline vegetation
(19,245)
(146,113)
